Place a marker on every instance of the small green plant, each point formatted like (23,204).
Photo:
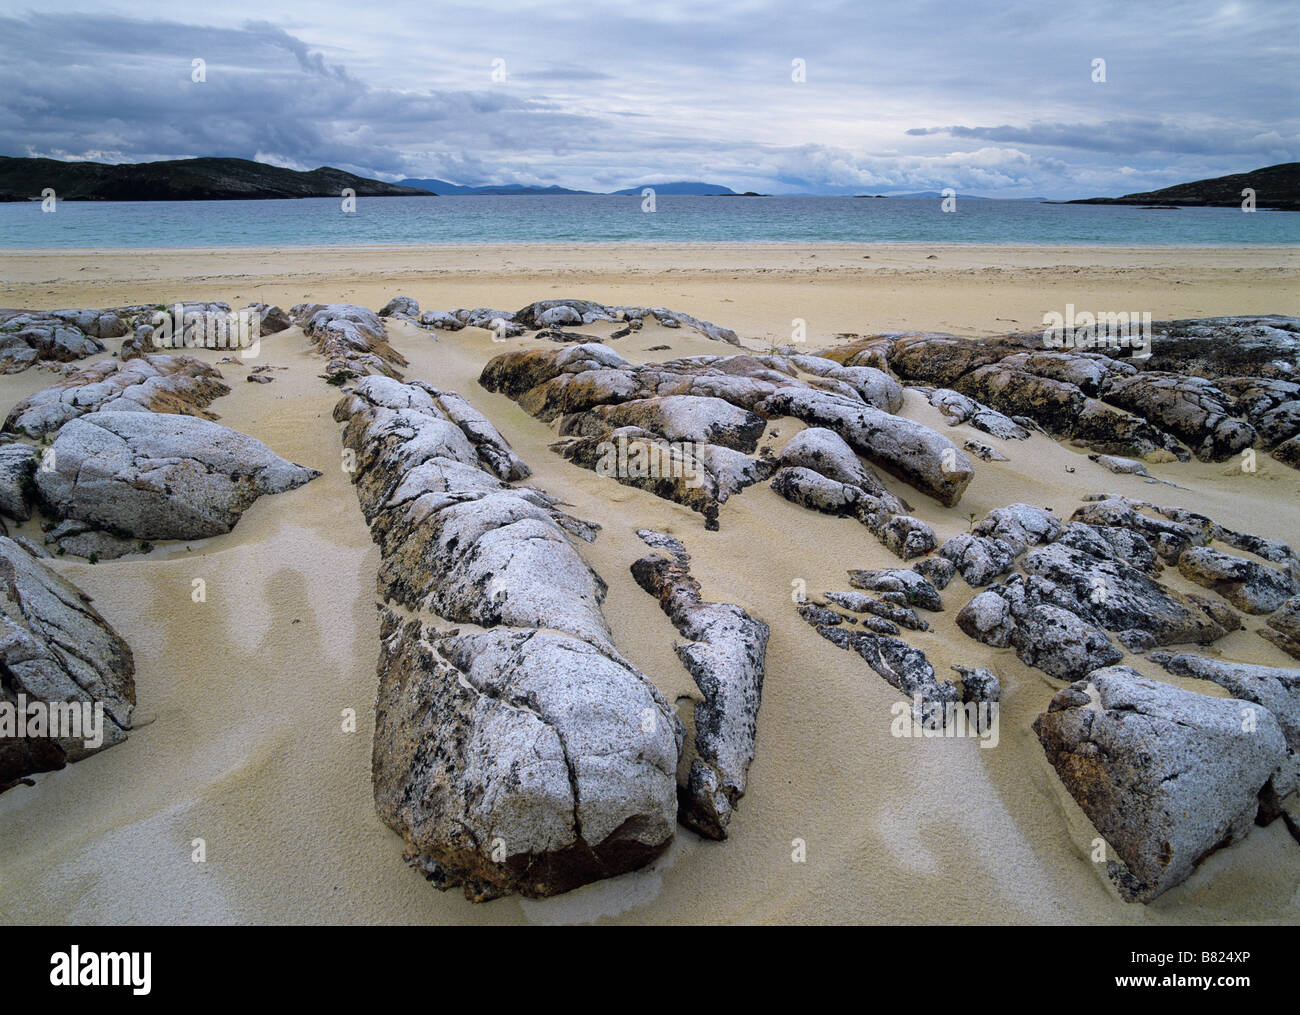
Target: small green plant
(338,378)
(145,546)
(94,557)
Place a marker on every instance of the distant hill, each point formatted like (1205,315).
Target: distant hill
(208,179)
(1274,186)
(446,189)
(458,190)
(680,187)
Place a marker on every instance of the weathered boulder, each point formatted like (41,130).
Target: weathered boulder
(979,559)
(352,338)
(1283,628)
(55,649)
(1190,408)
(161,383)
(987,618)
(826,452)
(1020,526)
(675,418)
(912,452)
(1250,587)
(156,476)
(961,408)
(17,467)
(725,656)
(1167,776)
(915,589)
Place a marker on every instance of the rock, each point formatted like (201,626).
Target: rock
(154,476)
(825,452)
(901,666)
(857,602)
(915,588)
(1283,628)
(1054,404)
(1190,408)
(1277,690)
(905,536)
(979,684)
(352,338)
(56,649)
(1116,596)
(912,452)
(519,760)
(160,383)
(401,307)
(1168,539)
(1167,776)
(937,570)
(676,418)
(1113,542)
(1250,587)
(979,559)
(272,319)
(725,656)
(816,492)
(1279,424)
(1092,373)
(259,378)
(1288,452)
(1060,643)
(662,541)
(960,408)
(525,755)
(1120,466)
(987,618)
(984,452)
(1020,526)
(441,320)
(1111,431)
(31,336)
(493,449)
(17,467)
(873,386)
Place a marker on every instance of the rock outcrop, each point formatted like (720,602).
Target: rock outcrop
(725,656)
(160,383)
(1167,776)
(515,750)
(58,652)
(148,475)
(352,339)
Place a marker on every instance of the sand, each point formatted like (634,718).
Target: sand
(239,738)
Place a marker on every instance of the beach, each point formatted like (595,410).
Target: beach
(239,737)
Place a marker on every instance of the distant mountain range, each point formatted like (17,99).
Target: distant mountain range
(1274,187)
(446,189)
(965,197)
(209,179)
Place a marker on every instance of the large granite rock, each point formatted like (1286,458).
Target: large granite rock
(1250,586)
(523,754)
(353,339)
(1167,776)
(155,476)
(56,649)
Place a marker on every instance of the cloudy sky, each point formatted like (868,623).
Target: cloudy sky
(994,99)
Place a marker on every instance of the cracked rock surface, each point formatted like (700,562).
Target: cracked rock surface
(55,647)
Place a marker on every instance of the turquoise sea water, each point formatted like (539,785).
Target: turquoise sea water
(416,220)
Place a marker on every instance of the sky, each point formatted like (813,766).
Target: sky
(998,100)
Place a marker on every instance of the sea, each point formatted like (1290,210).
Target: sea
(613,219)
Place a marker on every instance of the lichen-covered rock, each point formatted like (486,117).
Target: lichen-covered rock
(675,418)
(1283,628)
(56,649)
(987,618)
(525,755)
(1060,643)
(912,452)
(521,761)
(725,656)
(979,684)
(1250,587)
(826,452)
(402,307)
(937,570)
(161,383)
(859,602)
(906,537)
(961,408)
(158,476)
(1190,408)
(1020,526)
(979,559)
(915,588)
(352,338)
(17,466)
(1167,776)
(874,386)
(1054,404)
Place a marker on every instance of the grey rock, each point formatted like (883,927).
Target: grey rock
(1167,776)
(979,559)
(725,656)
(156,476)
(915,588)
(1249,586)
(55,648)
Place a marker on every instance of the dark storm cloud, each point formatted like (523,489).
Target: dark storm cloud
(589,94)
